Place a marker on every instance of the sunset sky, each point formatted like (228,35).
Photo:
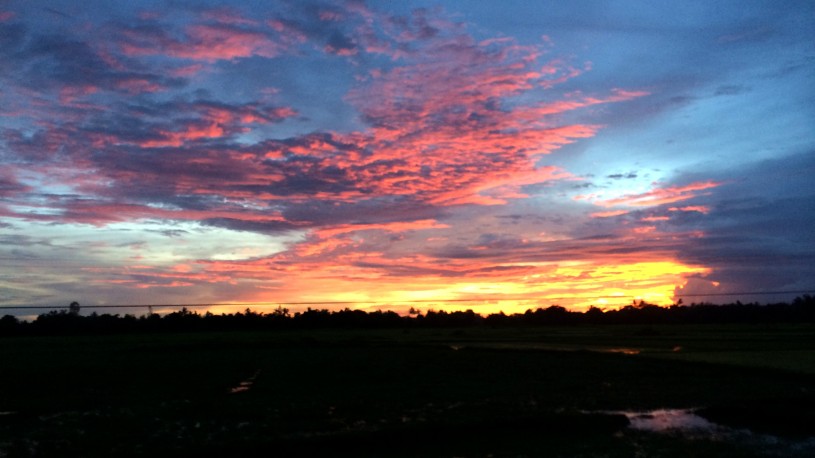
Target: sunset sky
(485,155)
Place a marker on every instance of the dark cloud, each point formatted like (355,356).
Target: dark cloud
(759,228)
(374,210)
(171,232)
(310,182)
(341,44)
(58,62)
(731,89)
(10,186)
(252,225)
(12,38)
(619,176)
(150,124)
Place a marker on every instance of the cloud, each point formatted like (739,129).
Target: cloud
(10,185)
(731,89)
(443,128)
(389,227)
(199,120)
(618,176)
(74,68)
(691,208)
(654,197)
(224,36)
(447,185)
(756,236)
(609,214)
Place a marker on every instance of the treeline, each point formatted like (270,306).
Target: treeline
(802,309)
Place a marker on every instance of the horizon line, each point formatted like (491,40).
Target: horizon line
(376,302)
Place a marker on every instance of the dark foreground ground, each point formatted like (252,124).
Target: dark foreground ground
(437,393)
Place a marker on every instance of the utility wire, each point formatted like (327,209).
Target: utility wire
(382,302)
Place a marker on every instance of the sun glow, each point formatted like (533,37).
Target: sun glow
(577,286)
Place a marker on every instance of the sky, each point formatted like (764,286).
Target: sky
(385,155)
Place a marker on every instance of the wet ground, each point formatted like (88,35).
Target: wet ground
(444,393)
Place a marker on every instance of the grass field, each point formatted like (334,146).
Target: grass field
(418,392)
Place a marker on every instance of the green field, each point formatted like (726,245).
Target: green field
(418,392)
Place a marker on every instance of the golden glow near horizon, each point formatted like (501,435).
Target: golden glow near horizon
(577,287)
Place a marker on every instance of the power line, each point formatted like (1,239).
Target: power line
(751,293)
(385,302)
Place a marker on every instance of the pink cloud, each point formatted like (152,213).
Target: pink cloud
(189,133)
(653,219)
(330,16)
(609,214)
(389,227)
(187,70)
(691,208)
(644,229)
(658,196)
(174,284)
(213,121)
(439,134)
(226,15)
(582,102)
(443,130)
(288,32)
(322,247)
(10,185)
(443,112)
(138,85)
(68,94)
(206,42)
(451,122)
(216,42)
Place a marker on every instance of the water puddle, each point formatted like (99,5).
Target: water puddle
(686,423)
(663,420)
(245,385)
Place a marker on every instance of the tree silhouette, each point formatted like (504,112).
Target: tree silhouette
(801,310)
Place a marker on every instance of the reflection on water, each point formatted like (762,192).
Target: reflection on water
(246,384)
(668,419)
(686,423)
(625,351)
